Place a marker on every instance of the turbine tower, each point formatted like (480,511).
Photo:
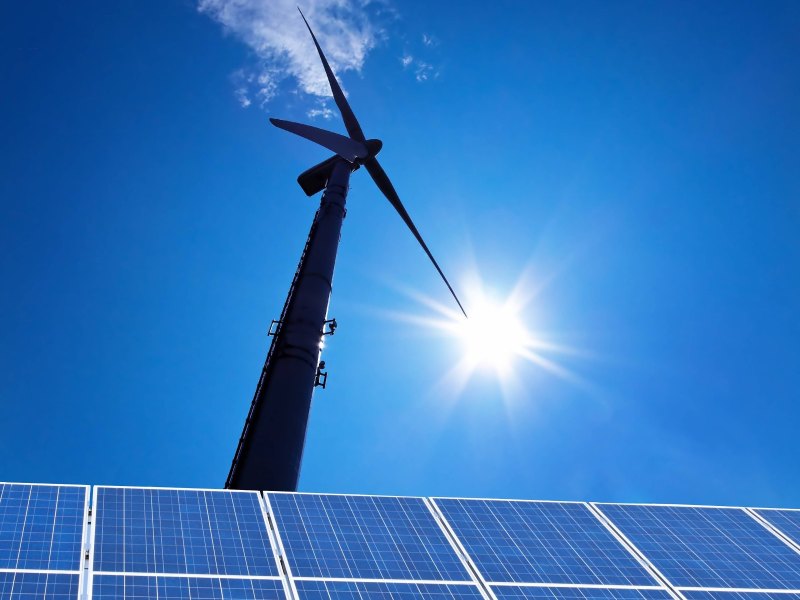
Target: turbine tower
(270,448)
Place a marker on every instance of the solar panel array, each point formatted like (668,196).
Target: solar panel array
(179,544)
(42,534)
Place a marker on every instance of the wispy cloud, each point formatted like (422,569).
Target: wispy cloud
(422,60)
(276,34)
(422,70)
(321,110)
(429,40)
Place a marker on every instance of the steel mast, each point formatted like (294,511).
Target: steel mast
(271,445)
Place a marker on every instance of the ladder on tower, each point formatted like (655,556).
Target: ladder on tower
(274,348)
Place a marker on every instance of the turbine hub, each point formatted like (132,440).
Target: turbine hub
(373,147)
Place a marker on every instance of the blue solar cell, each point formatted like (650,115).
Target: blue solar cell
(41,526)
(708,547)
(786,521)
(364,537)
(181,531)
(357,590)
(515,592)
(38,586)
(541,542)
(703,595)
(155,587)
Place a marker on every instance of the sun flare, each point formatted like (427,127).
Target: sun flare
(493,336)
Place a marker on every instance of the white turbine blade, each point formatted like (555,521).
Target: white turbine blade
(347,148)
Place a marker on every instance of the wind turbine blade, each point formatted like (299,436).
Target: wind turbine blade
(347,148)
(350,121)
(382,181)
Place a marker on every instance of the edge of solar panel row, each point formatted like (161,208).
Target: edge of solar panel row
(710,549)
(43,533)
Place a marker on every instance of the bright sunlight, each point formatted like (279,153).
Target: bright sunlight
(493,336)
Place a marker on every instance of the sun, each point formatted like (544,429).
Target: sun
(499,339)
(493,336)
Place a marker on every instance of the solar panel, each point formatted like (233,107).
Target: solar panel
(157,587)
(171,531)
(37,586)
(515,592)
(708,547)
(363,537)
(706,595)
(541,542)
(41,526)
(786,521)
(359,590)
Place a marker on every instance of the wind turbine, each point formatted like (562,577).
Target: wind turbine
(270,448)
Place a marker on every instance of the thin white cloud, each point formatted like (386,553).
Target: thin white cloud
(276,34)
(321,110)
(424,71)
(406,60)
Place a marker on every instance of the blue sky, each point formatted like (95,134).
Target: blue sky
(634,166)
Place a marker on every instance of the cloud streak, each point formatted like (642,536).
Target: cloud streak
(275,33)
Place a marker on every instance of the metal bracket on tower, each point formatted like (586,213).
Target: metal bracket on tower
(332,325)
(322,376)
(274,328)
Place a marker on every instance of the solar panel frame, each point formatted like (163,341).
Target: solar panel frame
(657,583)
(92,572)
(83,534)
(79,571)
(702,588)
(186,583)
(584,592)
(385,590)
(789,534)
(293,579)
(27,585)
(740,595)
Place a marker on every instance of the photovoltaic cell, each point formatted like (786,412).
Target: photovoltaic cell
(703,595)
(353,590)
(786,521)
(41,526)
(708,547)
(157,587)
(364,537)
(572,593)
(38,586)
(181,531)
(541,542)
